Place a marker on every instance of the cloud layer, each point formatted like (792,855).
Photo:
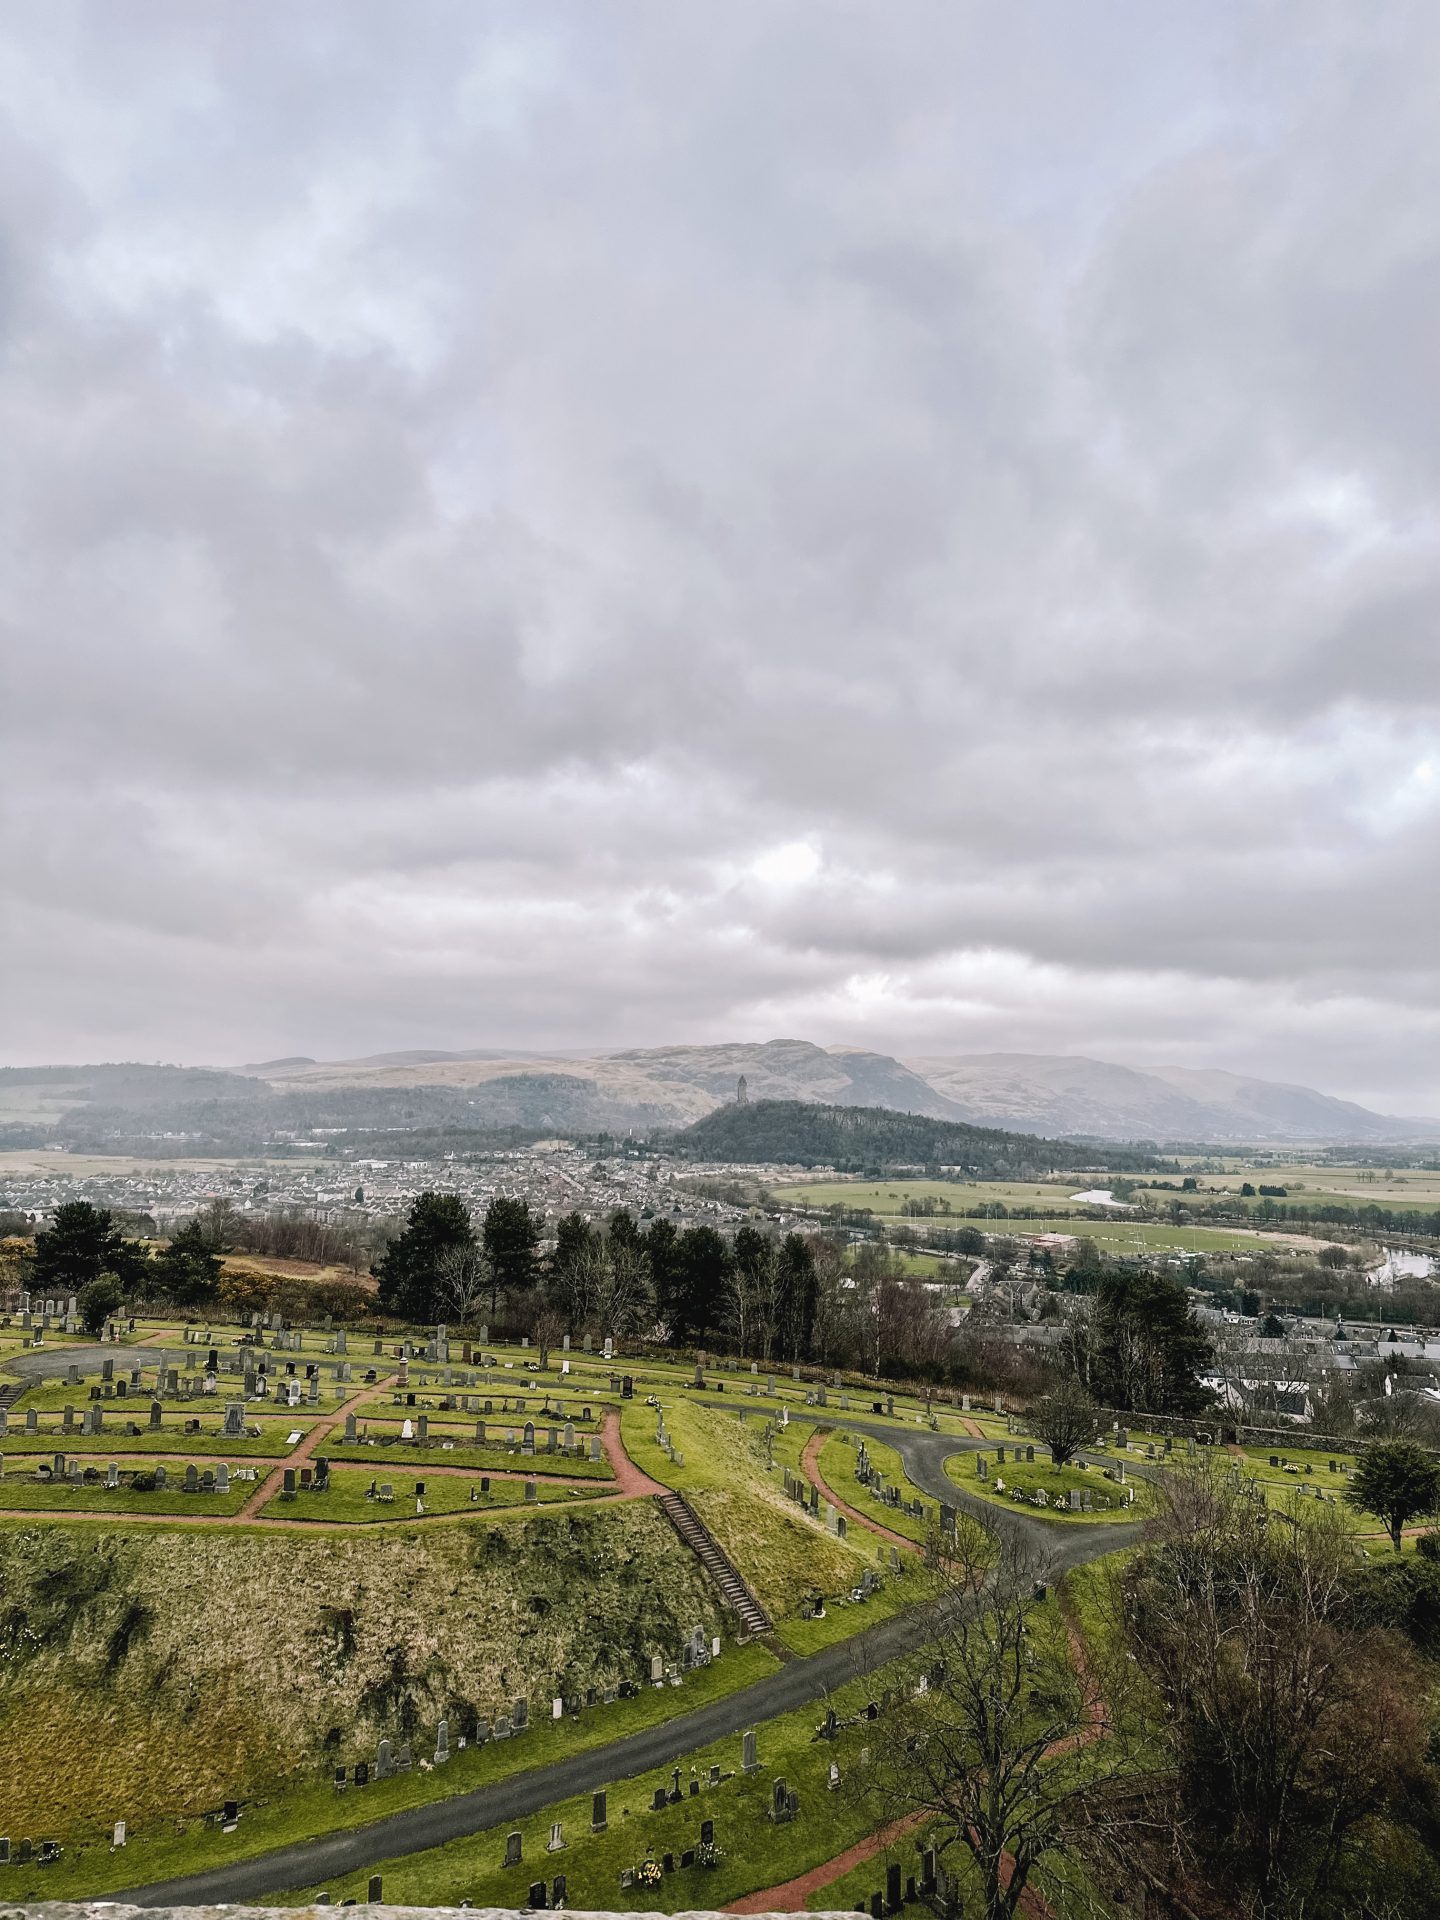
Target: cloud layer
(588,523)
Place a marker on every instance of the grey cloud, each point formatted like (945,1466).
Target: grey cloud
(481,480)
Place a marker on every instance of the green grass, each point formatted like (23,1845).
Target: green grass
(1140,1236)
(837,1468)
(303,1808)
(408,1457)
(1054,1482)
(845,1617)
(889,1196)
(39,1496)
(756,1854)
(166,1440)
(346,1502)
(784,1556)
(53,1396)
(885,1198)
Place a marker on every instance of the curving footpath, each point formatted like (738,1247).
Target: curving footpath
(795,1684)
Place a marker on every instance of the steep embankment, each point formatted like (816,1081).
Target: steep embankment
(151,1672)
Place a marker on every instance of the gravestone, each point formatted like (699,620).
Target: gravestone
(749,1761)
(512,1850)
(597,1812)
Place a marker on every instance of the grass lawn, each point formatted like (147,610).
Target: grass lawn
(53,1396)
(845,1617)
(1054,1482)
(784,1556)
(837,1468)
(444,1493)
(59,1498)
(389,1451)
(307,1805)
(273,1444)
(1119,1235)
(755,1852)
(889,1196)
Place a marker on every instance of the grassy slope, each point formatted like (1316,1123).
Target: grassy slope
(783,1555)
(152,1673)
(756,1853)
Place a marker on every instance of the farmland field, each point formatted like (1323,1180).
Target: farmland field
(1111,1229)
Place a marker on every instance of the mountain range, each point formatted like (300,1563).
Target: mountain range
(1058,1095)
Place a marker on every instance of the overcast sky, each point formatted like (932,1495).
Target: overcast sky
(552,525)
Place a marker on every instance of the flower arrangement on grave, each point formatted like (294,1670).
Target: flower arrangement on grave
(707,1854)
(648,1874)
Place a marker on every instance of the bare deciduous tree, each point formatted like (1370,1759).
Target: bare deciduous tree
(1067,1419)
(1286,1719)
(462,1282)
(617,1286)
(986,1737)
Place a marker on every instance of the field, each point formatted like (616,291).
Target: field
(1115,1231)
(888,1196)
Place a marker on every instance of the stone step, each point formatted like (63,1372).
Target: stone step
(703,1544)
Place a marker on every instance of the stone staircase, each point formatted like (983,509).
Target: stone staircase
(703,1544)
(11,1392)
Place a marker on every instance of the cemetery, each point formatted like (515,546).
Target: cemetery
(394,1574)
(1021,1472)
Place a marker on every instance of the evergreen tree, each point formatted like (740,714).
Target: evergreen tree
(1149,1348)
(702,1274)
(188,1271)
(410,1271)
(623,1230)
(661,1244)
(511,1236)
(84,1242)
(1397,1481)
(572,1270)
(798,1290)
(97,1301)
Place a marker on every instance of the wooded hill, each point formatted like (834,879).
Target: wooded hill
(876,1140)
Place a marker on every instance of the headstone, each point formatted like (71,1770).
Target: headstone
(512,1850)
(597,1812)
(749,1761)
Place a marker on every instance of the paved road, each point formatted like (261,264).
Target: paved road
(50,1363)
(313,1862)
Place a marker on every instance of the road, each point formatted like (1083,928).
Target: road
(1057,1544)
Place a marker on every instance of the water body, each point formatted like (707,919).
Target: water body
(1398,1265)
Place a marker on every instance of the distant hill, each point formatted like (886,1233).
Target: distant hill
(864,1139)
(119,1108)
(1069,1094)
